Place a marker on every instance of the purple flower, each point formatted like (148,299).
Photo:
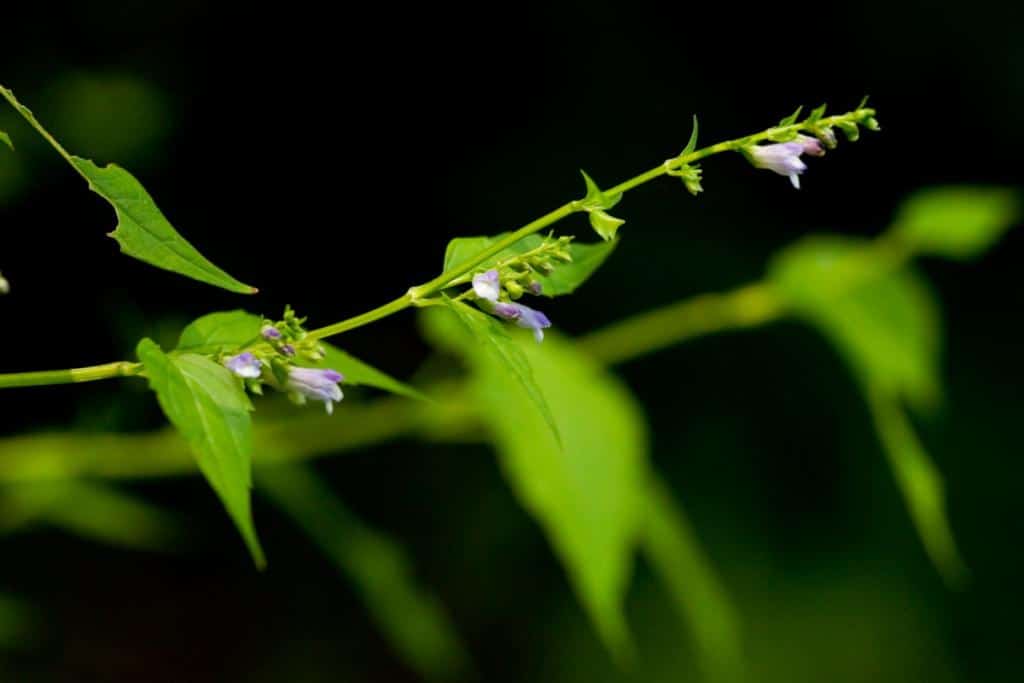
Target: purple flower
(244,365)
(270,332)
(487,285)
(784,158)
(317,384)
(523,316)
(288,350)
(536,288)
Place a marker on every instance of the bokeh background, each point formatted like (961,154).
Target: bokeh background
(327,155)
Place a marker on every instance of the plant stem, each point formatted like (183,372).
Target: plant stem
(71,375)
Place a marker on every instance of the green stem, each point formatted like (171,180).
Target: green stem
(401,303)
(71,375)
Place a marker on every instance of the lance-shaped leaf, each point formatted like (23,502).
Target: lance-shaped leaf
(564,279)
(207,404)
(957,222)
(791,119)
(692,143)
(588,492)
(226,330)
(142,230)
(595,203)
(411,618)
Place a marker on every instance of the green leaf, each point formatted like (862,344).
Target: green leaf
(92,510)
(588,495)
(221,330)
(817,114)
(605,224)
(676,556)
(595,198)
(206,403)
(791,119)
(566,277)
(958,222)
(502,355)
(411,618)
(142,230)
(884,322)
(920,482)
(6,139)
(595,203)
(692,144)
(228,330)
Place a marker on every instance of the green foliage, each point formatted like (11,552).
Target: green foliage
(956,222)
(359,373)
(6,139)
(676,556)
(500,354)
(142,230)
(920,482)
(595,203)
(588,495)
(884,322)
(412,619)
(208,405)
(564,279)
(92,510)
(692,142)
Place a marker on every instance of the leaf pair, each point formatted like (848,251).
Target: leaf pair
(596,203)
(142,230)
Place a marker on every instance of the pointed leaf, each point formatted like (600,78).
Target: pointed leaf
(142,230)
(6,139)
(791,119)
(692,144)
(595,198)
(359,373)
(503,355)
(206,403)
(409,616)
(222,330)
(605,224)
(957,222)
(817,114)
(920,482)
(565,279)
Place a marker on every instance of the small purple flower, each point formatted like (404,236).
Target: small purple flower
(783,158)
(288,350)
(536,288)
(270,332)
(811,145)
(317,384)
(523,316)
(244,365)
(487,285)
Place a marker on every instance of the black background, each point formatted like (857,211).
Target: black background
(326,154)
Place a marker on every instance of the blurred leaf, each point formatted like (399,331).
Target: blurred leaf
(92,510)
(920,483)
(884,322)
(412,619)
(6,139)
(231,329)
(677,557)
(222,330)
(142,230)
(588,495)
(956,222)
(206,403)
(565,279)
(501,354)
(19,623)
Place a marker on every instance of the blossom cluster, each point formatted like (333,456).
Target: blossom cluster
(488,286)
(272,361)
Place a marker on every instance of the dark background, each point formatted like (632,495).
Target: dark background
(327,155)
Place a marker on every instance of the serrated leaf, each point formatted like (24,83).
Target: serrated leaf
(920,482)
(605,224)
(231,329)
(692,143)
(586,494)
(6,139)
(958,222)
(566,277)
(791,119)
(207,404)
(411,618)
(142,231)
(503,355)
(676,556)
(884,323)
(91,510)
(221,330)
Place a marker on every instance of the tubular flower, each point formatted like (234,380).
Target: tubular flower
(523,316)
(269,332)
(244,365)
(487,285)
(316,384)
(784,157)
